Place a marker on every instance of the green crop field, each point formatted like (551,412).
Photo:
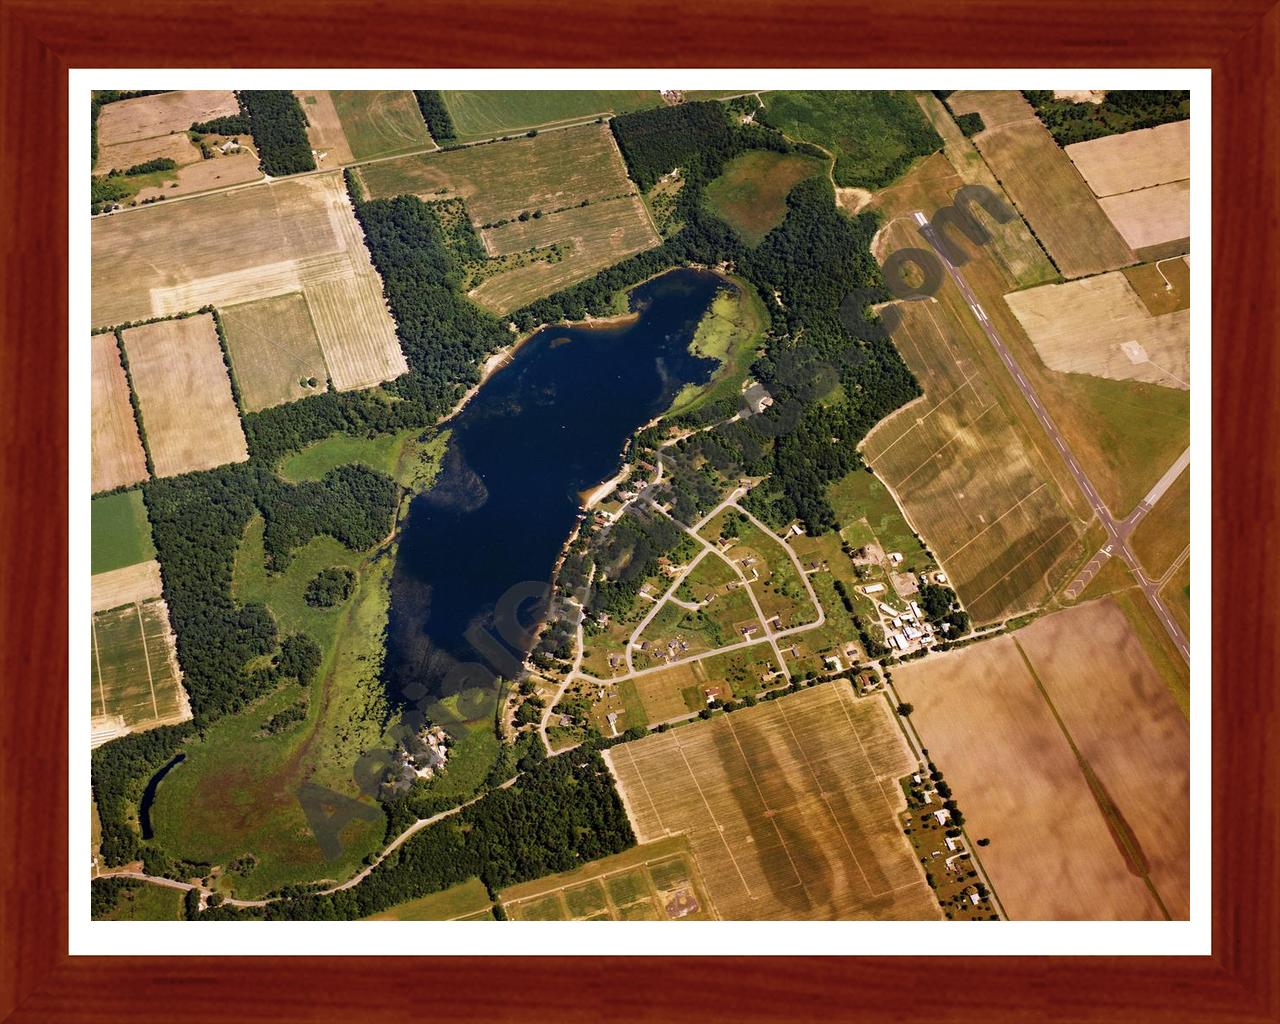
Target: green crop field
(486,114)
(380,123)
(274,350)
(751,195)
(874,136)
(132,673)
(463,901)
(119,532)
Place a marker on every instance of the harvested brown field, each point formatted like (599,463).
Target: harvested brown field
(242,245)
(218,172)
(324,128)
(161,114)
(1050,193)
(591,237)
(1063,747)
(1127,726)
(997,107)
(131,585)
(499,181)
(790,807)
(1134,160)
(188,410)
(1152,216)
(178,148)
(358,336)
(1099,325)
(135,679)
(966,475)
(117,455)
(274,350)
(1012,245)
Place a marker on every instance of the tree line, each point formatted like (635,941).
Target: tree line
(436,114)
(279,129)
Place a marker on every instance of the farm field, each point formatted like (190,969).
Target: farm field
(1124,433)
(1143,764)
(996,107)
(156,117)
(590,238)
(1015,776)
(120,157)
(256,243)
(1163,287)
(234,168)
(380,122)
(965,473)
(135,680)
(120,534)
(128,585)
(1152,217)
(324,128)
(652,882)
(790,807)
(751,194)
(1166,531)
(1048,191)
(1012,245)
(117,455)
(1134,160)
(188,411)
(551,171)
(468,901)
(485,114)
(874,136)
(274,350)
(1099,326)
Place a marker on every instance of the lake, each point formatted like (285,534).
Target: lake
(550,424)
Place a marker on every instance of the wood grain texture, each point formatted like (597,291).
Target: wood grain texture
(40,41)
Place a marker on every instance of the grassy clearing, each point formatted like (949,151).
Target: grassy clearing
(490,113)
(400,456)
(120,534)
(1166,531)
(457,902)
(1177,595)
(380,122)
(731,331)
(874,136)
(148,902)
(862,496)
(237,791)
(751,195)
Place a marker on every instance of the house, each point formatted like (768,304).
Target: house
(748,631)
(915,610)
(943,815)
(757,398)
(952,843)
(940,577)
(895,557)
(230,146)
(612,717)
(890,611)
(873,588)
(832,662)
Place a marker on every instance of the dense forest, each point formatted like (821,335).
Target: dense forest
(1123,110)
(656,142)
(436,114)
(279,130)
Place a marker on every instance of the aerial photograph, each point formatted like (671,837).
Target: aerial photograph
(639,505)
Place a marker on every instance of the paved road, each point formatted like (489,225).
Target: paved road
(1117,530)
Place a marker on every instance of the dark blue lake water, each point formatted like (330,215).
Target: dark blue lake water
(549,425)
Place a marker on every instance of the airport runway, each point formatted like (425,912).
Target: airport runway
(1118,531)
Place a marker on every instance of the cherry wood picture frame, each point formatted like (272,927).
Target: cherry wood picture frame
(39,41)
